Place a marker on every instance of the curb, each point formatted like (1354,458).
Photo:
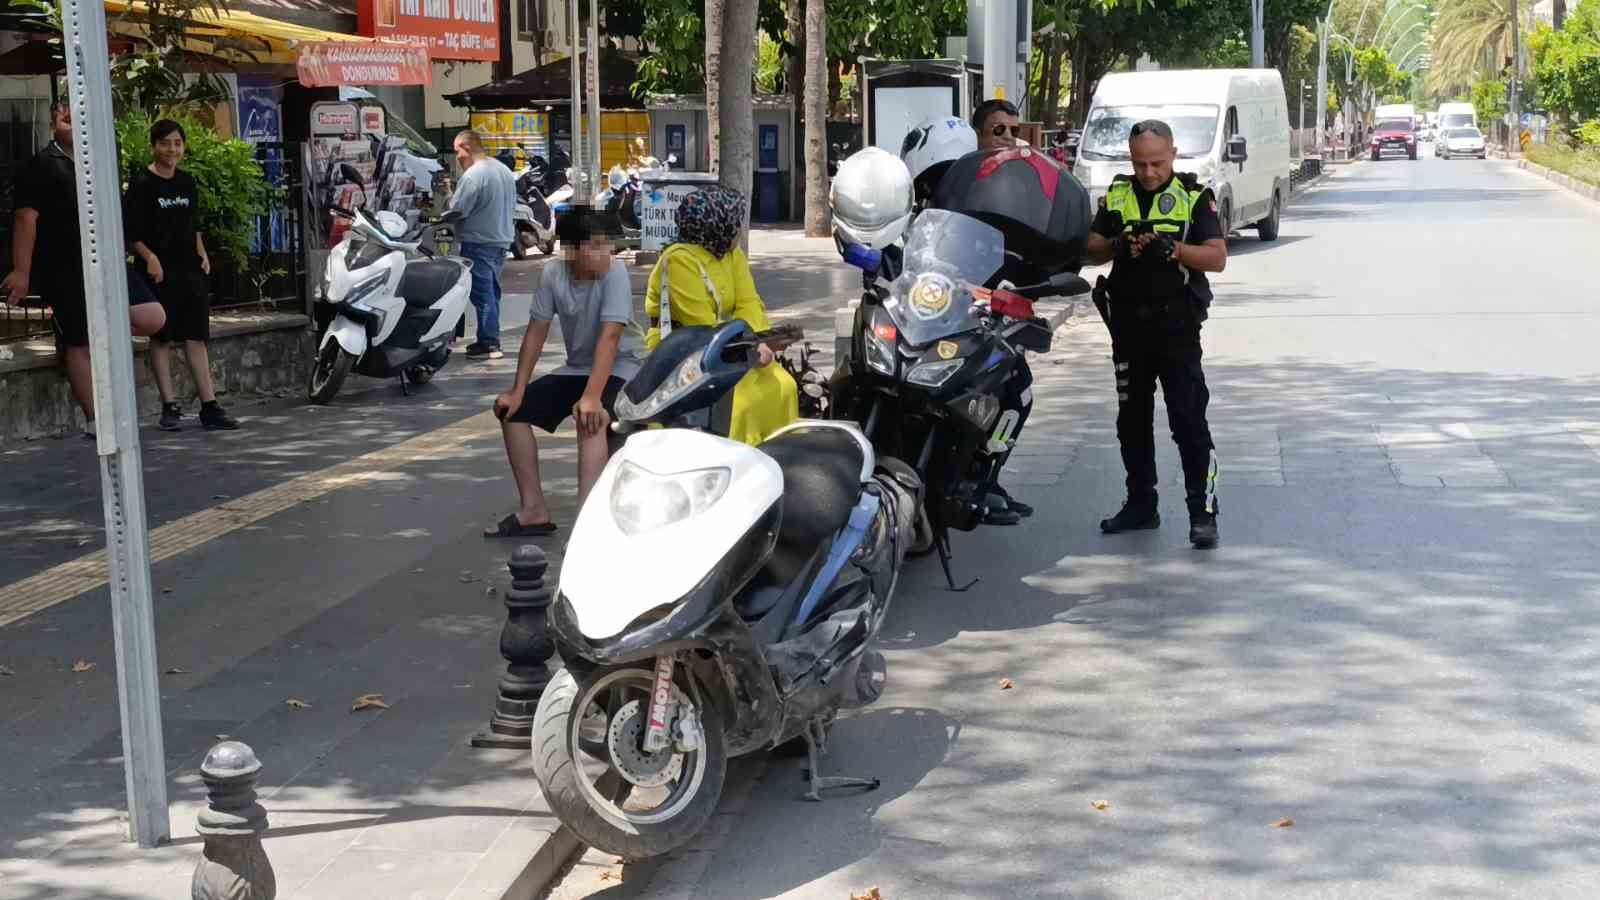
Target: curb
(547,867)
(1581,188)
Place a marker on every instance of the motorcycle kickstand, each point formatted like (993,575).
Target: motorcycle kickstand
(405,386)
(816,745)
(942,542)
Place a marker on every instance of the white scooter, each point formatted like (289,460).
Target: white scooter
(397,303)
(534,217)
(716,599)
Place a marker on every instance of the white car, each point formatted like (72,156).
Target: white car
(1462,142)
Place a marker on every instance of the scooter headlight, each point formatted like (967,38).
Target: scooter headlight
(682,380)
(642,501)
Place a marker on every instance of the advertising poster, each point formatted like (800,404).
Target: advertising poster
(449,29)
(658,209)
(260,123)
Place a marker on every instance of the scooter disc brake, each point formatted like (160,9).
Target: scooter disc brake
(625,739)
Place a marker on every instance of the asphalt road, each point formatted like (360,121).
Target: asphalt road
(1395,646)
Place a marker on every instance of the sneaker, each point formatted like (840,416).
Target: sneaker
(215,418)
(1132,518)
(1017,506)
(1203,530)
(171,413)
(481,350)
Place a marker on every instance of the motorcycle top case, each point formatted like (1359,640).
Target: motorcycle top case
(1040,208)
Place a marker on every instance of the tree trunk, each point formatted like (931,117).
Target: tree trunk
(736,115)
(1558,13)
(794,67)
(816,110)
(714,11)
(1052,84)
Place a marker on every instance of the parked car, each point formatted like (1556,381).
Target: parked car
(1394,136)
(1458,142)
(1219,117)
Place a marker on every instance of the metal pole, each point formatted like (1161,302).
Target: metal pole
(1516,73)
(1300,123)
(594,101)
(1258,41)
(1322,81)
(83,26)
(999,52)
(574,33)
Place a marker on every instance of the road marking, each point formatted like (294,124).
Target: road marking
(86,573)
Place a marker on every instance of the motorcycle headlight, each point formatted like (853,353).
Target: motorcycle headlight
(642,501)
(682,380)
(935,374)
(880,340)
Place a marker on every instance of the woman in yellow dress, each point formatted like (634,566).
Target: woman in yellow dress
(705,279)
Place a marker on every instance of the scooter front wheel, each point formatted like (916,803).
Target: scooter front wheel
(601,783)
(328,372)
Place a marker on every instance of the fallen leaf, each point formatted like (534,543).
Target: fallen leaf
(488,590)
(7,670)
(1284,822)
(1100,805)
(1007,684)
(82,665)
(416,571)
(369,701)
(610,876)
(223,737)
(296,703)
(871,893)
(177,670)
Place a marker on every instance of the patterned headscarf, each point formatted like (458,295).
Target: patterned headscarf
(711,217)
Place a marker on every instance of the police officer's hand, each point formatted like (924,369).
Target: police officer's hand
(1162,248)
(1137,244)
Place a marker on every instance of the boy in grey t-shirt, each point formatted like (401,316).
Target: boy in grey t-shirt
(589,292)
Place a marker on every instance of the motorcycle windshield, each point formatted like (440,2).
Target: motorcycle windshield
(947,255)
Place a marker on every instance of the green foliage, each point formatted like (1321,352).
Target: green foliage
(1582,164)
(769,64)
(1471,39)
(233,191)
(674,31)
(1489,99)
(1589,133)
(1566,64)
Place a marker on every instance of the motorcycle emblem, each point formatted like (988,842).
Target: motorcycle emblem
(947,349)
(931,295)
(1166,203)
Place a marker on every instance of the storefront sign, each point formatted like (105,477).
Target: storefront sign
(658,215)
(333,63)
(450,29)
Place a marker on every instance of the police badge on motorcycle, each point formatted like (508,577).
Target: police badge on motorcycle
(930,296)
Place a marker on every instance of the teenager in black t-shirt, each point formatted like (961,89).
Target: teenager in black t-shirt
(45,258)
(160,209)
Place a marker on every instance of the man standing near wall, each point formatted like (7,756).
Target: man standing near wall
(486,195)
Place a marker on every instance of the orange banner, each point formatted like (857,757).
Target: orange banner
(334,63)
(450,29)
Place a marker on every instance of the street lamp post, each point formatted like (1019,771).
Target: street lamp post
(1258,41)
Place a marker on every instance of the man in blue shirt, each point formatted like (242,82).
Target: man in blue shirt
(486,196)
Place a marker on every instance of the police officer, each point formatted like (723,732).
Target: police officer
(1161,232)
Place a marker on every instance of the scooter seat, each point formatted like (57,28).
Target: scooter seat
(821,481)
(425,281)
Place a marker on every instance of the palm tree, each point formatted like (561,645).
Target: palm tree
(816,118)
(1471,38)
(713,81)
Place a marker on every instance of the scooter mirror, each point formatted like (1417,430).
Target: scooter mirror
(1069,284)
(349,173)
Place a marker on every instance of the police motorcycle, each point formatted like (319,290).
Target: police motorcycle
(396,303)
(755,581)
(943,324)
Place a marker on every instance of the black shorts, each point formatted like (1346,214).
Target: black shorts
(186,296)
(548,401)
(64,292)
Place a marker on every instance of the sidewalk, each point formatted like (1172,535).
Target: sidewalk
(318,554)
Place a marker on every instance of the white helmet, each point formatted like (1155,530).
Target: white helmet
(871,198)
(932,146)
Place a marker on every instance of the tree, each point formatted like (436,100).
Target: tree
(1566,65)
(816,119)
(736,103)
(1471,38)
(713,79)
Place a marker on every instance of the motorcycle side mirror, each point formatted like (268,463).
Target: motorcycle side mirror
(1069,284)
(349,173)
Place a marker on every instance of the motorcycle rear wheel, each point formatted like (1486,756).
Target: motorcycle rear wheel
(582,790)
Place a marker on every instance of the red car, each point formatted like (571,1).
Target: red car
(1394,136)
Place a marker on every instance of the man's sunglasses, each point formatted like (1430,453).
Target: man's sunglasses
(1000,130)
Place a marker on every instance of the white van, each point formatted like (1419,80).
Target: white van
(1232,130)
(1457,115)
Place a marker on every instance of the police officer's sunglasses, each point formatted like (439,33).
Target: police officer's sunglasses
(1000,130)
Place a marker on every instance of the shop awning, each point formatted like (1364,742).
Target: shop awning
(551,84)
(258,38)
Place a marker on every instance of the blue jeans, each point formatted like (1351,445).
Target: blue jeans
(487,261)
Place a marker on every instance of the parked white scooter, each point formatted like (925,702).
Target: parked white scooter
(398,304)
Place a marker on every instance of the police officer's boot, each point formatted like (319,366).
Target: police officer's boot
(1203,530)
(1137,514)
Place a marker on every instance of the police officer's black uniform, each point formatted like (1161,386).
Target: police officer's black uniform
(1154,314)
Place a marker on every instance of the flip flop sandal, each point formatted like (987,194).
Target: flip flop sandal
(510,527)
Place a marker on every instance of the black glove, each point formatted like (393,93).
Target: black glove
(1121,247)
(1162,248)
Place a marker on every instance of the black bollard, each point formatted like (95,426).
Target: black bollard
(525,644)
(234,865)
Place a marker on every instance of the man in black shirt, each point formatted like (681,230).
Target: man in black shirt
(45,256)
(1162,234)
